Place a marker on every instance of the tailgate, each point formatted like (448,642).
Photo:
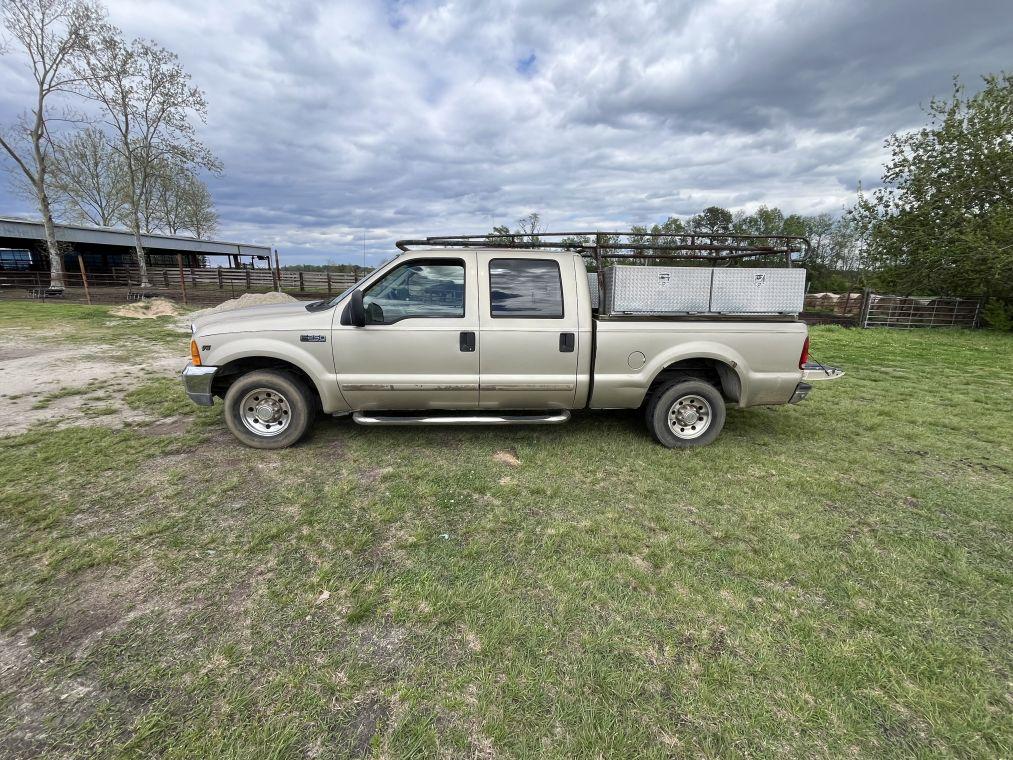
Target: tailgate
(813,371)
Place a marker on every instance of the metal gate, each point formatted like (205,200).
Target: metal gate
(907,312)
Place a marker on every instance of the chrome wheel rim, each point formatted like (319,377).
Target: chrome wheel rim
(690,416)
(265,412)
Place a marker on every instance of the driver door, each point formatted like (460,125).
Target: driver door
(419,348)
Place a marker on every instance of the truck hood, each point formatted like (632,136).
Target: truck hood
(280,316)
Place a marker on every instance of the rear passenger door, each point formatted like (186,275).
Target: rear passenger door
(529,332)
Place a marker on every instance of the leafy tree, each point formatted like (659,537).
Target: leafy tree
(942,223)
(52,33)
(712,220)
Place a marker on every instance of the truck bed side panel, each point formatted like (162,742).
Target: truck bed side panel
(764,356)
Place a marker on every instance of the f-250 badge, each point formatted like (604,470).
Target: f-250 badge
(313,338)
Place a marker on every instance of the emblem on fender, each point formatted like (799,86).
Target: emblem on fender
(313,338)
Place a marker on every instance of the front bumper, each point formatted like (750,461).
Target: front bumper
(197,383)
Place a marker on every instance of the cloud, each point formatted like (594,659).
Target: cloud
(402,118)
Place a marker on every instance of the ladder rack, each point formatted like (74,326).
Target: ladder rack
(605,248)
(711,247)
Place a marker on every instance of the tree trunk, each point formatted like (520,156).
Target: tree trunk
(142,265)
(53,248)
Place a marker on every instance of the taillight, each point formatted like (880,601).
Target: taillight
(804,358)
(195,354)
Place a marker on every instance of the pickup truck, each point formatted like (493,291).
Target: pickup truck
(487,335)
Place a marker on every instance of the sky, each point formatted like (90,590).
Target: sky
(344,125)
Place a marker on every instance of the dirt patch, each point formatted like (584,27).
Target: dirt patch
(370,476)
(168,426)
(370,715)
(148,308)
(63,384)
(40,704)
(96,606)
(507,457)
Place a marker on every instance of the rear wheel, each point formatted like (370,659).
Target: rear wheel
(686,413)
(267,409)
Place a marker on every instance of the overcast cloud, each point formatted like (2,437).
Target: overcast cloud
(406,118)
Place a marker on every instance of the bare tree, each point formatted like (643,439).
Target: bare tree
(530,226)
(148,103)
(199,215)
(53,34)
(88,179)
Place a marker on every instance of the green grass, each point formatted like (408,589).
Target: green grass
(72,323)
(828,579)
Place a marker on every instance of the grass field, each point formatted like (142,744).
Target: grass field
(828,579)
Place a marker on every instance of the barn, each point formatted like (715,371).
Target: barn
(108,251)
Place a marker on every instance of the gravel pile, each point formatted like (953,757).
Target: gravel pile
(244,301)
(148,308)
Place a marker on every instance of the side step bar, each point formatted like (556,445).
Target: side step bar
(364,418)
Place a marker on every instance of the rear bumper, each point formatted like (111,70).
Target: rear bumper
(197,383)
(801,391)
(813,372)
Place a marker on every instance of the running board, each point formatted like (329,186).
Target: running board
(461,419)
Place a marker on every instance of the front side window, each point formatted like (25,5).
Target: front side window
(418,288)
(529,288)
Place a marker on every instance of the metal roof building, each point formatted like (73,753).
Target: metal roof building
(105,249)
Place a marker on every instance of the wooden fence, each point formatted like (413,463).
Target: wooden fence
(208,286)
(192,285)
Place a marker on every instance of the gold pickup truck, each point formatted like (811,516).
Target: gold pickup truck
(485,331)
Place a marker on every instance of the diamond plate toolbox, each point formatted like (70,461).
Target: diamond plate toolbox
(657,290)
(758,291)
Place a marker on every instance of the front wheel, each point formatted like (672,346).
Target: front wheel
(268,410)
(686,413)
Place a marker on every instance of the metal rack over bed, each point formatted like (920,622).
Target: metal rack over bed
(630,275)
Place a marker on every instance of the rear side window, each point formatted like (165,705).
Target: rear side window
(522,288)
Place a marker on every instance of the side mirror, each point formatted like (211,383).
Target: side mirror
(355,312)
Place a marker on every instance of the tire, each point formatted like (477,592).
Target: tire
(696,404)
(266,409)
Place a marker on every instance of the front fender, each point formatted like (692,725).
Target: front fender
(314,359)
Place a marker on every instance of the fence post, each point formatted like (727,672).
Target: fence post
(247,279)
(328,282)
(847,301)
(277,268)
(84,279)
(182,278)
(302,282)
(219,278)
(165,278)
(863,314)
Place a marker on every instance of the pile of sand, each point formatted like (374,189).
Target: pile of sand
(244,301)
(147,308)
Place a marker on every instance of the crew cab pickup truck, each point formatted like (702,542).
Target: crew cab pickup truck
(488,335)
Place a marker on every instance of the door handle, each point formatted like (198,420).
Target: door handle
(468,341)
(567,342)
